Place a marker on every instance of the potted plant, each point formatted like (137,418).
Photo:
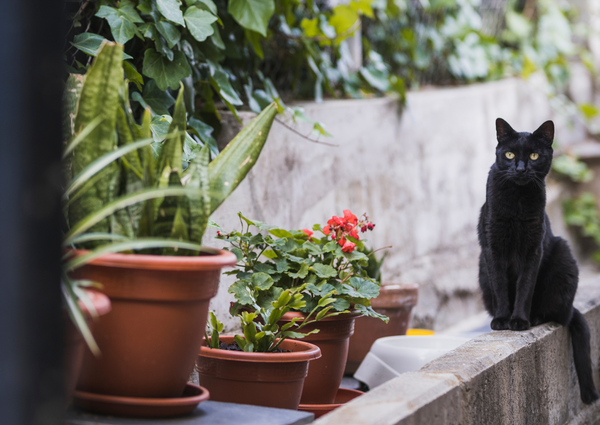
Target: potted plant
(136,211)
(264,366)
(395,301)
(330,265)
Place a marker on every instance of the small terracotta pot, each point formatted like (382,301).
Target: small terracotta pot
(74,342)
(325,375)
(262,379)
(394,301)
(150,339)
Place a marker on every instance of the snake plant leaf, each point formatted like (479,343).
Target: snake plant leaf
(146,224)
(169,211)
(77,316)
(71,95)
(102,213)
(233,163)
(96,236)
(170,155)
(199,206)
(99,96)
(102,163)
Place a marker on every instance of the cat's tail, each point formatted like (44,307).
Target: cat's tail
(580,338)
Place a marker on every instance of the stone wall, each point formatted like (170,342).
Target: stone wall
(501,378)
(420,175)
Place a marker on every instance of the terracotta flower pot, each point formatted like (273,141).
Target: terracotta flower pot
(262,379)
(394,301)
(150,339)
(325,375)
(74,342)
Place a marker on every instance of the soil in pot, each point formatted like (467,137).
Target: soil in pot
(325,375)
(394,301)
(74,342)
(150,339)
(262,379)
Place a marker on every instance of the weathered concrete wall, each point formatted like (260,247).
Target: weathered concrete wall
(420,175)
(501,378)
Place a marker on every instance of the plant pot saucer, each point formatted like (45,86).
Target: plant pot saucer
(145,407)
(342,396)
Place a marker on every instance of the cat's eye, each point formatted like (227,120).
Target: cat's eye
(534,156)
(509,155)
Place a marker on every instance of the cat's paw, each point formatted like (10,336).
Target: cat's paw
(517,324)
(588,397)
(499,324)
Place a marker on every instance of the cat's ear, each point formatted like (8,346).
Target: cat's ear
(546,132)
(503,129)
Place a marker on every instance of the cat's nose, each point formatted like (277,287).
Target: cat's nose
(520,166)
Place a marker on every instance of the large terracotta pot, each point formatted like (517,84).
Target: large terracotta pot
(74,342)
(262,379)
(394,301)
(325,375)
(150,339)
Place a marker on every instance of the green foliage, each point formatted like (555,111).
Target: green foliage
(273,260)
(583,212)
(571,167)
(128,192)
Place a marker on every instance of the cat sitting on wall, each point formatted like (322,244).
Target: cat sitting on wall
(527,275)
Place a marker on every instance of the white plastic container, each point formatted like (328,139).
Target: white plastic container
(391,356)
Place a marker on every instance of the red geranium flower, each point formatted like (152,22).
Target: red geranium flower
(348,247)
(349,217)
(326,230)
(309,233)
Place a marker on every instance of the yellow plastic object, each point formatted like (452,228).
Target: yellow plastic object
(420,332)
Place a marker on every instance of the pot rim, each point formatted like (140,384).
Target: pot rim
(309,352)
(216,261)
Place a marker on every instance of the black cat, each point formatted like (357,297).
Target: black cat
(527,275)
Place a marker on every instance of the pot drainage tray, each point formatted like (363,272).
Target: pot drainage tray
(143,407)
(342,396)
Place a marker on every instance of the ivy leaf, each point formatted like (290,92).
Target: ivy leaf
(121,28)
(220,81)
(90,43)
(133,75)
(170,9)
(324,271)
(241,292)
(199,22)
(159,126)
(204,133)
(166,73)
(170,33)
(157,99)
(343,18)
(301,274)
(216,38)
(127,10)
(252,14)
(262,281)
(310,27)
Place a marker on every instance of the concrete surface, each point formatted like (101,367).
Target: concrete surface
(500,378)
(420,175)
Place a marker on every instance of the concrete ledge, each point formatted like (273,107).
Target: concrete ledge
(498,378)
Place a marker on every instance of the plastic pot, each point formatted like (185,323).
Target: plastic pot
(325,375)
(394,301)
(74,342)
(262,379)
(150,339)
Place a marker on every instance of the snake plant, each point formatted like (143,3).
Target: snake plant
(127,192)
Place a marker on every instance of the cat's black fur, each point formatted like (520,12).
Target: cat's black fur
(527,275)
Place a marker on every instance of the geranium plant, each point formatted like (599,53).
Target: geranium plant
(273,260)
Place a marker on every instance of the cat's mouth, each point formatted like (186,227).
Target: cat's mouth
(521,178)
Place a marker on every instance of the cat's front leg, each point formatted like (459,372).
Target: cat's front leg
(519,320)
(498,279)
